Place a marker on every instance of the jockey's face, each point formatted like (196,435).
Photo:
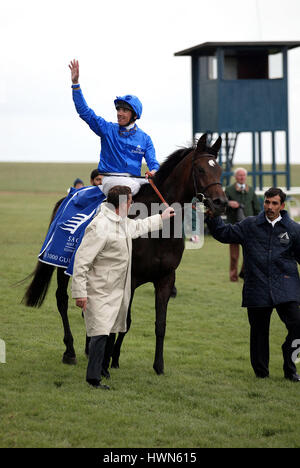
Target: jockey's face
(124,116)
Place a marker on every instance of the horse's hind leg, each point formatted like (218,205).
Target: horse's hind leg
(107,355)
(117,350)
(117,346)
(69,356)
(87,345)
(115,356)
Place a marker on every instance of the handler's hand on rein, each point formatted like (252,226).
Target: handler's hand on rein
(209,214)
(168,213)
(81,302)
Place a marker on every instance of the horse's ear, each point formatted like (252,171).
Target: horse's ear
(201,145)
(216,146)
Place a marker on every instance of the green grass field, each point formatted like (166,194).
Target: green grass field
(208,396)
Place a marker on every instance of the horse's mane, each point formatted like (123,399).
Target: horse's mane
(165,170)
(170,163)
(175,158)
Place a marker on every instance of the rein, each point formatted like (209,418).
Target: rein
(156,189)
(197,193)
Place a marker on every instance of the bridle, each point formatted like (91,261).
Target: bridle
(200,191)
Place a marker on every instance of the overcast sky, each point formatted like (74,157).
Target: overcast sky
(123,47)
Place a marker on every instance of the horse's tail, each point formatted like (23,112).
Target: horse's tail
(37,290)
(57,205)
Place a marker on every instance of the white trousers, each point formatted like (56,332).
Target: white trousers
(110,181)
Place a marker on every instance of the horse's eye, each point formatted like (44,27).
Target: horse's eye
(200,170)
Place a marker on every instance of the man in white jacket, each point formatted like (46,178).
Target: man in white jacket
(101,282)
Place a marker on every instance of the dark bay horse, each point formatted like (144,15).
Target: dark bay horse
(185,174)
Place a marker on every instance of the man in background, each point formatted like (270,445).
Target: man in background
(96,177)
(242,202)
(78,183)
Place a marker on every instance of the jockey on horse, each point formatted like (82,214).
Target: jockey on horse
(123,144)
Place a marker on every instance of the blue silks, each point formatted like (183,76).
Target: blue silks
(67,229)
(121,150)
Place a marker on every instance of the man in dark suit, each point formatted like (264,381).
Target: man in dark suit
(271,248)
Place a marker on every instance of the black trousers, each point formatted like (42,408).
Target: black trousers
(259,319)
(96,355)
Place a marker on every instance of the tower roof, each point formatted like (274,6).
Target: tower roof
(209,48)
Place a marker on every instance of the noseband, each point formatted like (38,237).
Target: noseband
(202,190)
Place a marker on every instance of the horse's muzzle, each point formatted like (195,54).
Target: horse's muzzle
(217,206)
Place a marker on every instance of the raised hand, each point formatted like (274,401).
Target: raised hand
(74,67)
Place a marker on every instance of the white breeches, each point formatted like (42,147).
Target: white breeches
(110,181)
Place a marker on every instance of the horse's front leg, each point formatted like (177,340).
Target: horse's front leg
(69,356)
(163,289)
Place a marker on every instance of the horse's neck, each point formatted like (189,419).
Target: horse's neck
(178,188)
(171,192)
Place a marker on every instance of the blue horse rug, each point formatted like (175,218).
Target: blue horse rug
(67,228)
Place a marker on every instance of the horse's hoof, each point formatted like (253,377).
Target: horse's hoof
(173,292)
(105,373)
(69,360)
(158,370)
(114,365)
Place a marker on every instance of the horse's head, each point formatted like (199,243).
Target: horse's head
(190,172)
(206,174)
